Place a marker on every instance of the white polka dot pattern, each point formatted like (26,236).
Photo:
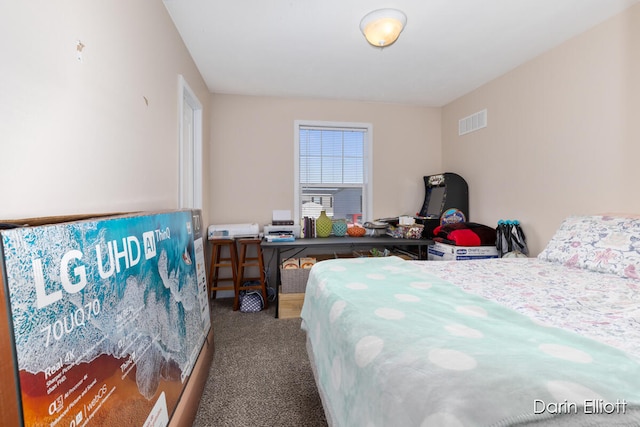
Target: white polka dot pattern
(389,313)
(336,310)
(566,352)
(452,359)
(420,285)
(441,419)
(367,349)
(571,391)
(395,346)
(471,310)
(407,297)
(463,331)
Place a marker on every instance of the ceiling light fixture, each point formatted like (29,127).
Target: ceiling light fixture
(382,27)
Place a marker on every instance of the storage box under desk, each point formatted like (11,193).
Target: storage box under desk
(293,280)
(290,305)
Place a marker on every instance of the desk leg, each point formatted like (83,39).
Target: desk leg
(278,261)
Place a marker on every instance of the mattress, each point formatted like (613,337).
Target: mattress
(474,343)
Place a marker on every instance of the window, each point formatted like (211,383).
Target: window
(333,164)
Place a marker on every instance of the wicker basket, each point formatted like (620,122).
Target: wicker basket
(294,280)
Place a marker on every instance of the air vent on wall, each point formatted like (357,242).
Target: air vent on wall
(473,122)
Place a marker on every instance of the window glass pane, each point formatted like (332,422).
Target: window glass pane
(332,143)
(315,143)
(348,203)
(353,171)
(339,203)
(304,169)
(304,142)
(332,170)
(354,144)
(310,170)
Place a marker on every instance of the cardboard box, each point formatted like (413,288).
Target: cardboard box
(291,263)
(307,262)
(105,315)
(290,305)
(445,252)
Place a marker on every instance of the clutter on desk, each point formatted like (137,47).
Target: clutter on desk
(282,228)
(375,228)
(281,217)
(356,231)
(400,231)
(308,227)
(339,227)
(406,220)
(324,225)
(233,231)
(280,237)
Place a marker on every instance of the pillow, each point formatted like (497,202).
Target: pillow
(609,244)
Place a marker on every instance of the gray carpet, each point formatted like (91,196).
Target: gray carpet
(260,375)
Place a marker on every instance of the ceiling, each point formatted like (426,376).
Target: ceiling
(314,49)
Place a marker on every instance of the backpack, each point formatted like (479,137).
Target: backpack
(251,301)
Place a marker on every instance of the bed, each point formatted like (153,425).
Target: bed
(551,340)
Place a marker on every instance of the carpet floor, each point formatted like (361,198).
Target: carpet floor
(260,374)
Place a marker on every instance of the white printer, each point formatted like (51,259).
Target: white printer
(293,230)
(282,224)
(233,231)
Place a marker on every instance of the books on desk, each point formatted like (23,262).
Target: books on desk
(279,238)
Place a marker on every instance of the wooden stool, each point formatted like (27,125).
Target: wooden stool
(246,261)
(219,261)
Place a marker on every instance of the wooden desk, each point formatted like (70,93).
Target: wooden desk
(342,243)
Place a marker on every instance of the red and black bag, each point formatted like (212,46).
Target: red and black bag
(465,234)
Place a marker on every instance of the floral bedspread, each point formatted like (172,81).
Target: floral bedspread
(604,307)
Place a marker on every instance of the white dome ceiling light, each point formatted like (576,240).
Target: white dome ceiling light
(382,27)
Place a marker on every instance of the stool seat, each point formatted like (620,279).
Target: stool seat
(246,261)
(218,261)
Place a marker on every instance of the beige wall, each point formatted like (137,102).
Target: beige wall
(79,137)
(252,153)
(97,135)
(562,135)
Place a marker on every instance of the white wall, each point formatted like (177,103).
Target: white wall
(562,135)
(97,135)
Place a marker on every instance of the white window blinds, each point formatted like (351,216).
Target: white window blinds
(332,165)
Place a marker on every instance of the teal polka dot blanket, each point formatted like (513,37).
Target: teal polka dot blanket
(395,345)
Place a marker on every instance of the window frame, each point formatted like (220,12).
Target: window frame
(189,148)
(367,203)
